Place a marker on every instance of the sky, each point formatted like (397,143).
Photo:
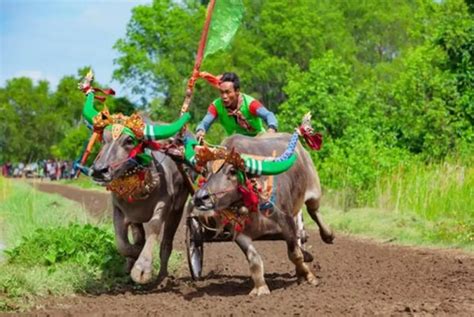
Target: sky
(49,39)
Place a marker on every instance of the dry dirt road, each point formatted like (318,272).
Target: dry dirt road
(357,277)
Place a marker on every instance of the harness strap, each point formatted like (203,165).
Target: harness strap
(187,180)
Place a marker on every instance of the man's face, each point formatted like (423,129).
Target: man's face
(228,94)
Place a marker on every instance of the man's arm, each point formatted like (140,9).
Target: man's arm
(206,122)
(268,117)
(257,109)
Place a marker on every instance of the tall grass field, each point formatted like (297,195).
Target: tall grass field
(417,204)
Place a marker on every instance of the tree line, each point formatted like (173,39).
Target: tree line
(386,81)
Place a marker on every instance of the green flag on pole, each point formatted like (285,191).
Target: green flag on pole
(226,18)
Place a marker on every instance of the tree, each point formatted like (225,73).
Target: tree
(32,123)
(157,54)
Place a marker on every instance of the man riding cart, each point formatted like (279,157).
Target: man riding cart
(236,111)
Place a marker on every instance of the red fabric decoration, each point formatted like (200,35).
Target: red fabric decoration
(249,196)
(253,107)
(212,110)
(238,227)
(201,181)
(136,150)
(107,92)
(211,79)
(155,146)
(225,221)
(314,140)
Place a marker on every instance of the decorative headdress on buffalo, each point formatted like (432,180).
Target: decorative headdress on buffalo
(143,134)
(133,125)
(198,156)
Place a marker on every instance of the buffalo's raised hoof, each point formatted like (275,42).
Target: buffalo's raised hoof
(309,278)
(327,237)
(307,257)
(262,290)
(142,271)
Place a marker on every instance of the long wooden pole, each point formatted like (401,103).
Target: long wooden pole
(194,76)
(199,57)
(88,150)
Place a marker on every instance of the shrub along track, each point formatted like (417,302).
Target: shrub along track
(357,277)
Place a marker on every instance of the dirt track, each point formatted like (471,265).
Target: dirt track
(356,278)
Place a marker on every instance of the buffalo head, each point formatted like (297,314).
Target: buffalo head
(227,174)
(124,138)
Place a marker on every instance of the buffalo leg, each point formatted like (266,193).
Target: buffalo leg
(142,270)
(325,231)
(138,234)
(125,248)
(255,263)
(166,246)
(295,254)
(300,228)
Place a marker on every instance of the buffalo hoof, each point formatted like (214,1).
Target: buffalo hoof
(307,257)
(142,271)
(306,276)
(262,290)
(309,278)
(327,236)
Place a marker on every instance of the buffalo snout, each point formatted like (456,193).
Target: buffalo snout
(101,172)
(202,200)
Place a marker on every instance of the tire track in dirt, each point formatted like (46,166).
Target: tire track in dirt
(357,277)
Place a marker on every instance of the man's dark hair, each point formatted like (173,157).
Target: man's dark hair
(232,77)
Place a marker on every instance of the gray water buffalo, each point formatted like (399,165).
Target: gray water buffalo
(148,189)
(295,187)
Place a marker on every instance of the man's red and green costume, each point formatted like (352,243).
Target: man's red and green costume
(247,110)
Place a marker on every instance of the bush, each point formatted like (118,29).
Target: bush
(84,245)
(355,162)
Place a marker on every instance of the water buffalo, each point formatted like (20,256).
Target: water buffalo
(147,186)
(299,185)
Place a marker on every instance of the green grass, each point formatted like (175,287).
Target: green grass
(434,191)
(52,251)
(428,205)
(399,228)
(23,209)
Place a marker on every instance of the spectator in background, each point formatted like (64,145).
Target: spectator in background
(5,170)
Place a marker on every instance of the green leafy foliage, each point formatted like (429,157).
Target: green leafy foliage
(157,56)
(73,143)
(79,244)
(38,124)
(60,261)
